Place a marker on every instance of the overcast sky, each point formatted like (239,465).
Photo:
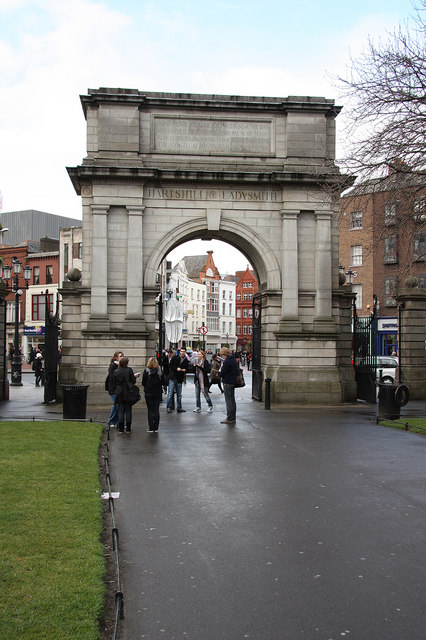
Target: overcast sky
(52,51)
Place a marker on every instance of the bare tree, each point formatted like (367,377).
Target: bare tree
(386,126)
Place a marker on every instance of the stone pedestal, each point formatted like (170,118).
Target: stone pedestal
(412,341)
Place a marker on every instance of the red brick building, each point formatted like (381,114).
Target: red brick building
(245,290)
(382,242)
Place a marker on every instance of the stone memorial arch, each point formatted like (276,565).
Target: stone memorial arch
(162,169)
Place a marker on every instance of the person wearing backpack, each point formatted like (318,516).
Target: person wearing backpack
(121,376)
(153,382)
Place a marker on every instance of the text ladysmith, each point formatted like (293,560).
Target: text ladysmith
(211,194)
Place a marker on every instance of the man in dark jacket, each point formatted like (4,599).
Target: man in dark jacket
(228,374)
(178,366)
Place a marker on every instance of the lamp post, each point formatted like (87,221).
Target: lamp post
(16,377)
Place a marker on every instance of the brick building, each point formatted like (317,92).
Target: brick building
(382,242)
(245,290)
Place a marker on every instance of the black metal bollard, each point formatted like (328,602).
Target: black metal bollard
(267,393)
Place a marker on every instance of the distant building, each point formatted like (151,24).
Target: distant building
(245,290)
(31,224)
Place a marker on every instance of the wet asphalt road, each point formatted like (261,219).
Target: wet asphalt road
(296,523)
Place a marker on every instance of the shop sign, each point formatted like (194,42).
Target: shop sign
(389,325)
(34,331)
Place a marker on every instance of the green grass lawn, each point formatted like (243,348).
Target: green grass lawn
(418,425)
(52,562)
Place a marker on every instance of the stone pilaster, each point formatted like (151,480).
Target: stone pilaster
(412,341)
(134,291)
(289,322)
(323,322)
(99,286)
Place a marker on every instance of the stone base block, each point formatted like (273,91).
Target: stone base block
(314,385)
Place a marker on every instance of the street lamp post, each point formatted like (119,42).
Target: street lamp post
(16,377)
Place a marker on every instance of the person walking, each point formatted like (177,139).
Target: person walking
(123,374)
(228,375)
(215,365)
(201,381)
(109,386)
(37,367)
(153,382)
(178,366)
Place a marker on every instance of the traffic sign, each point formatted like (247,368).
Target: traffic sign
(203,330)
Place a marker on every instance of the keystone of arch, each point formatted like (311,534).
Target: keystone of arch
(245,240)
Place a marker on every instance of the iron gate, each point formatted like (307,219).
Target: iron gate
(51,350)
(364,353)
(256,361)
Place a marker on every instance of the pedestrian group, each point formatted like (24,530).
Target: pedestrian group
(168,376)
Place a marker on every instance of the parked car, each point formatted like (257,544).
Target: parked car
(389,367)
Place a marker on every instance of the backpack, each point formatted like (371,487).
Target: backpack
(153,384)
(127,393)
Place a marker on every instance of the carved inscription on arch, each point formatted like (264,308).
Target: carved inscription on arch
(212,136)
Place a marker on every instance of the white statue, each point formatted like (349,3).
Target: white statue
(173,320)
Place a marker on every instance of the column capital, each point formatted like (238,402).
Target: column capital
(289,214)
(99,209)
(323,215)
(135,210)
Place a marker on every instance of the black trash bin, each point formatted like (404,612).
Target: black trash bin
(391,398)
(74,401)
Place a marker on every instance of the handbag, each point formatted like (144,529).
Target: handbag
(133,394)
(239,379)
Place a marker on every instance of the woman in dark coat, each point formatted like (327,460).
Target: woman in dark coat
(121,376)
(228,374)
(113,416)
(201,381)
(215,365)
(153,382)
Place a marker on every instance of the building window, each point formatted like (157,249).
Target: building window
(244,313)
(10,311)
(38,304)
(390,291)
(224,308)
(390,250)
(36,275)
(230,309)
(356,255)
(245,296)
(250,313)
(230,295)
(224,294)
(223,327)
(250,329)
(422,280)
(390,213)
(245,329)
(230,327)
(357,288)
(245,285)
(419,246)
(420,210)
(355,220)
(238,313)
(238,328)
(238,297)
(250,285)
(77,250)
(49,274)
(66,258)
(250,296)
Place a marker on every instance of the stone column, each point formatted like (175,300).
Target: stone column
(134,291)
(323,277)
(99,285)
(412,340)
(290,273)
